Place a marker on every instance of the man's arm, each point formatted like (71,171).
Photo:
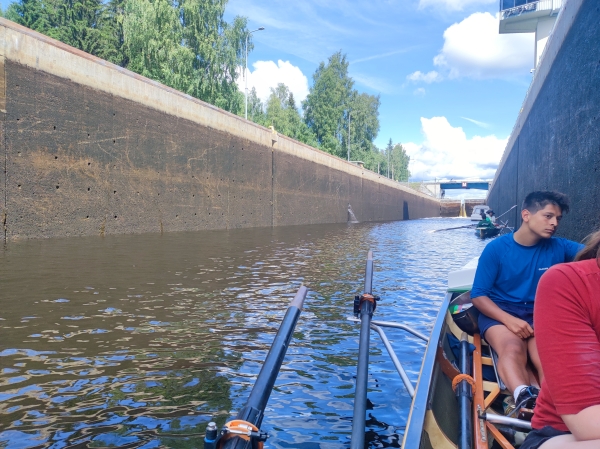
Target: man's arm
(519,327)
(571,249)
(488,268)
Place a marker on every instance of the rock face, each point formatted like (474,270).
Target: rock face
(89,148)
(555,144)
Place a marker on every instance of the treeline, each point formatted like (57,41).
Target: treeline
(187,45)
(336,118)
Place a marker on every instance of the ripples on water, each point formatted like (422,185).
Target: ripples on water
(141,340)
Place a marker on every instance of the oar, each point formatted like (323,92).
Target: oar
(506,212)
(458,227)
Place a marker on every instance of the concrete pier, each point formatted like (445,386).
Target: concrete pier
(89,148)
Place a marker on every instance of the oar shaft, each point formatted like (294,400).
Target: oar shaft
(257,401)
(463,392)
(362,370)
(362,374)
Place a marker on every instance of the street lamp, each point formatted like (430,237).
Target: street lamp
(246,70)
(349,117)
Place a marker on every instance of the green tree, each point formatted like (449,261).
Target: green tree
(113,33)
(186,44)
(282,114)
(153,35)
(35,14)
(218,49)
(256,111)
(326,106)
(388,154)
(89,25)
(399,161)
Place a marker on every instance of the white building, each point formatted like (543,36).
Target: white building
(530,16)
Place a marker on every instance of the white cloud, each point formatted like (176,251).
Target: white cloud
(474,48)
(447,153)
(419,91)
(429,77)
(453,5)
(267,75)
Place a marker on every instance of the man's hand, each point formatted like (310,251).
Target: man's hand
(519,327)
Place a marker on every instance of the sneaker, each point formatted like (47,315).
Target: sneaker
(525,403)
(527,398)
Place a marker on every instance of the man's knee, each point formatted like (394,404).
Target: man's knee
(504,341)
(512,349)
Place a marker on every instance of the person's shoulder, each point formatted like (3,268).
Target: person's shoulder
(561,242)
(498,246)
(581,268)
(503,241)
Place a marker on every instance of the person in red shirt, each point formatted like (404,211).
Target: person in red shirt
(567,330)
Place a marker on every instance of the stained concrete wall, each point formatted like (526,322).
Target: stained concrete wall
(89,148)
(555,144)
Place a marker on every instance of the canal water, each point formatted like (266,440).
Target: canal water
(139,341)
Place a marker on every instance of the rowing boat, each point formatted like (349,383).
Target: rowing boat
(484,232)
(454,409)
(457,403)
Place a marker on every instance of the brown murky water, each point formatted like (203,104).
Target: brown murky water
(139,341)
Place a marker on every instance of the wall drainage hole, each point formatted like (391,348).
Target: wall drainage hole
(115,216)
(87,216)
(89,163)
(88,189)
(114,191)
(54,127)
(57,187)
(55,157)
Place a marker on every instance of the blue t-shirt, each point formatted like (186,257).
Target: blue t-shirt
(509,272)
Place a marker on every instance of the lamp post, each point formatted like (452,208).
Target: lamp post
(388,167)
(349,117)
(246,70)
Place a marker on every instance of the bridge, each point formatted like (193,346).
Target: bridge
(438,188)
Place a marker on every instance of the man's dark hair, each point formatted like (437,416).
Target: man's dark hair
(536,201)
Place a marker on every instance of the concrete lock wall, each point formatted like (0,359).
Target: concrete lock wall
(555,144)
(91,149)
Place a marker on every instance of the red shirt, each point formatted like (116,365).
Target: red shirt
(567,334)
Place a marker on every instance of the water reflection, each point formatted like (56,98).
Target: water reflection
(140,341)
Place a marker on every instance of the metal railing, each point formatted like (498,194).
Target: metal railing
(516,7)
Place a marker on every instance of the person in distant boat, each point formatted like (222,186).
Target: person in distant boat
(567,327)
(491,217)
(485,222)
(503,291)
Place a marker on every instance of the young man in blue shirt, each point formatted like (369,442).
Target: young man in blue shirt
(504,289)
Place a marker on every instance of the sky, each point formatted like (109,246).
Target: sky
(450,85)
